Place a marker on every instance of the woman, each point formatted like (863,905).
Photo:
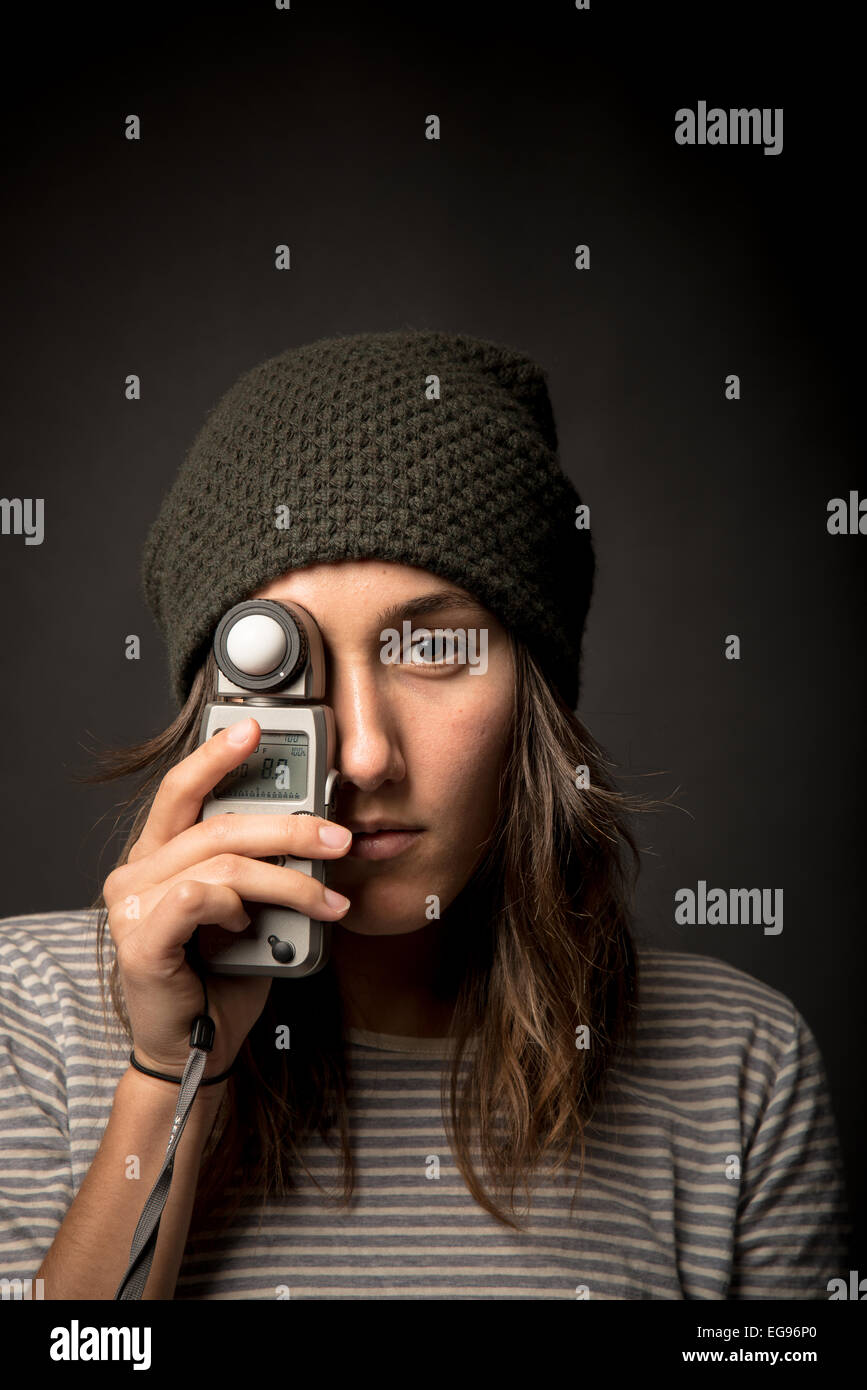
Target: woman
(489,1091)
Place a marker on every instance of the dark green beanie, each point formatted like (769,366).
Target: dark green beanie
(348,436)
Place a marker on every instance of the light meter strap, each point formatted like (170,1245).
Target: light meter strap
(145,1239)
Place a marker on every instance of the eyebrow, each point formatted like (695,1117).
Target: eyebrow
(426,603)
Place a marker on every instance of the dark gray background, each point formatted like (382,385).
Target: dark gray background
(709,517)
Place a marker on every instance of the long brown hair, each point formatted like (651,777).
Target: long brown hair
(550,952)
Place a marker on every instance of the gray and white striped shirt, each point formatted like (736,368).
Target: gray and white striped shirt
(712,1170)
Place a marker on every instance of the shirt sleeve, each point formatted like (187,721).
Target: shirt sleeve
(792,1229)
(36,1181)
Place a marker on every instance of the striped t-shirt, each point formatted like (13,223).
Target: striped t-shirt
(712,1170)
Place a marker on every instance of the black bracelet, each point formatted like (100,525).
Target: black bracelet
(202,1036)
(176,1080)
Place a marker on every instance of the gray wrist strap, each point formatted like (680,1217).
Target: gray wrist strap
(145,1239)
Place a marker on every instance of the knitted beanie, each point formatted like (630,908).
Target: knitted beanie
(421,447)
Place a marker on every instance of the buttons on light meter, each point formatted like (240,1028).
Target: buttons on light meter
(282,951)
(256,644)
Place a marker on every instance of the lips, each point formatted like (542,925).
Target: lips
(377,830)
(386,843)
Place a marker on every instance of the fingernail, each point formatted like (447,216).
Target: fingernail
(239,733)
(335,836)
(335,899)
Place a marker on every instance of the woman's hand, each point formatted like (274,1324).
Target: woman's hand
(182,872)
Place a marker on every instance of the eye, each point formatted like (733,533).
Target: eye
(441,648)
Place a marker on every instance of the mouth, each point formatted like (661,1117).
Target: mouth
(382,843)
(374,827)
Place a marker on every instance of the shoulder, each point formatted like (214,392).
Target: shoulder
(740,1055)
(709,997)
(720,1035)
(48,969)
(49,945)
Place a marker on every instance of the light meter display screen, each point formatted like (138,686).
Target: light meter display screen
(275,771)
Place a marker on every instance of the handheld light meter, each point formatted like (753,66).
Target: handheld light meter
(272,666)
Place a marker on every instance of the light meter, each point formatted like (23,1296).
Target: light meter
(271,665)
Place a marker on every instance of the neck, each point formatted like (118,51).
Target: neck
(403,984)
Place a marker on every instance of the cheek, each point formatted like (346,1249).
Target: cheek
(456,766)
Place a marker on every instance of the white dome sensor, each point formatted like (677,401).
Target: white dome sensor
(256,644)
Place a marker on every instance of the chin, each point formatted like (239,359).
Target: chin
(380,926)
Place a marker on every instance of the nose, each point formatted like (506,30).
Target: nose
(368,731)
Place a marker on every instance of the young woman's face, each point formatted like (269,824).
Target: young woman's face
(420,743)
